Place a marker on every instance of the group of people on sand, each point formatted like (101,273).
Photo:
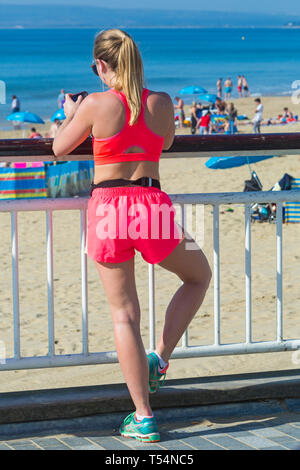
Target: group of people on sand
(242,87)
(202,118)
(50,134)
(222,117)
(16,107)
(34,134)
(285,118)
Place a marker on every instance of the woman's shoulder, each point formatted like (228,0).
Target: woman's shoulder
(102,101)
(159,98)
(98,96)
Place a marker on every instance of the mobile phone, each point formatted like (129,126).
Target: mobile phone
(76,95)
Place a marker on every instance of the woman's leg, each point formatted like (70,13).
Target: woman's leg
(119,284)
(192,268)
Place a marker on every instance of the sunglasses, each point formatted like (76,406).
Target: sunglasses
(94,68)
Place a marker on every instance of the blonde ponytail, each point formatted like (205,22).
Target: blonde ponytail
(119,50)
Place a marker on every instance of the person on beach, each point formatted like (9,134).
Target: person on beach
(61,99)
(245,86)
(287,115)
(54,128)
(131,125)
(239,85)
(228,88)
(232,117)
(220,106)
(180,107)
(219,88)
(258,116)
(34,134)
(204,123)
(15,108)
(15,104)
(194,117)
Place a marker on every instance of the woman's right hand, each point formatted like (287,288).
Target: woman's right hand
(70,106)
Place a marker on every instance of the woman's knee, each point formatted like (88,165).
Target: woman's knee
(201,274)
(125,316)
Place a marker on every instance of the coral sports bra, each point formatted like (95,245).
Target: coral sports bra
(116,149)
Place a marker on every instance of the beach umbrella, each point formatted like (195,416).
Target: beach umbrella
(25,116)
(192,90)
(208,98)
(59,114)
(222,163)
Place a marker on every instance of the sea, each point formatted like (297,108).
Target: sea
(35,64)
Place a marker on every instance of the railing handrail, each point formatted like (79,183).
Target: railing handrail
(62,203)
(183,145)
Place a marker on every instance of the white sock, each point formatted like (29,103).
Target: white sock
(162,363)
(140,418)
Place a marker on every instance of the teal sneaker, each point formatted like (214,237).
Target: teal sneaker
(145,430)
(156,376)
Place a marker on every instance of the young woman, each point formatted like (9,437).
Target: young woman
(232,117)
(131,126)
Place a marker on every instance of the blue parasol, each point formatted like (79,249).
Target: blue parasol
(25,116)
(221,163)
(192,90)
(208,98)
(59,114)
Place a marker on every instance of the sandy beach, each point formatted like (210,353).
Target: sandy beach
(182,175)
(273,106)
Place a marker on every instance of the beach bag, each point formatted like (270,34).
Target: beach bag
(254,184)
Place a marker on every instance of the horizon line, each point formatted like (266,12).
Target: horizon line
(20,27)
(192,10)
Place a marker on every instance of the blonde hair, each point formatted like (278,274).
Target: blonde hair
(117,48)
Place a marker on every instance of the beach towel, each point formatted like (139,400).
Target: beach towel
(22,183)
(292,209)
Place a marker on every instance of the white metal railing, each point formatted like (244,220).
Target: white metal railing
(183,351)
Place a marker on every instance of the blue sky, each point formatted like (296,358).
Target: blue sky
(289,7)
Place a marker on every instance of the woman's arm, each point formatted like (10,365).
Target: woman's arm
(77,126)
(171,130)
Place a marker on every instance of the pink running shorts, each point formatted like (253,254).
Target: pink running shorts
(124,219)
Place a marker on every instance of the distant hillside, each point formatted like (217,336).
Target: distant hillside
(42,16)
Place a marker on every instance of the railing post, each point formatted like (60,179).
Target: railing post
(279,270)
(248,273)
(49,235)
(216,241)
(185,336)
(84,284)
(15,282)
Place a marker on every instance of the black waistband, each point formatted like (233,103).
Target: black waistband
(145,181)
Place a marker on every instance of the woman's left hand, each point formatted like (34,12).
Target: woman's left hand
(70,106)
